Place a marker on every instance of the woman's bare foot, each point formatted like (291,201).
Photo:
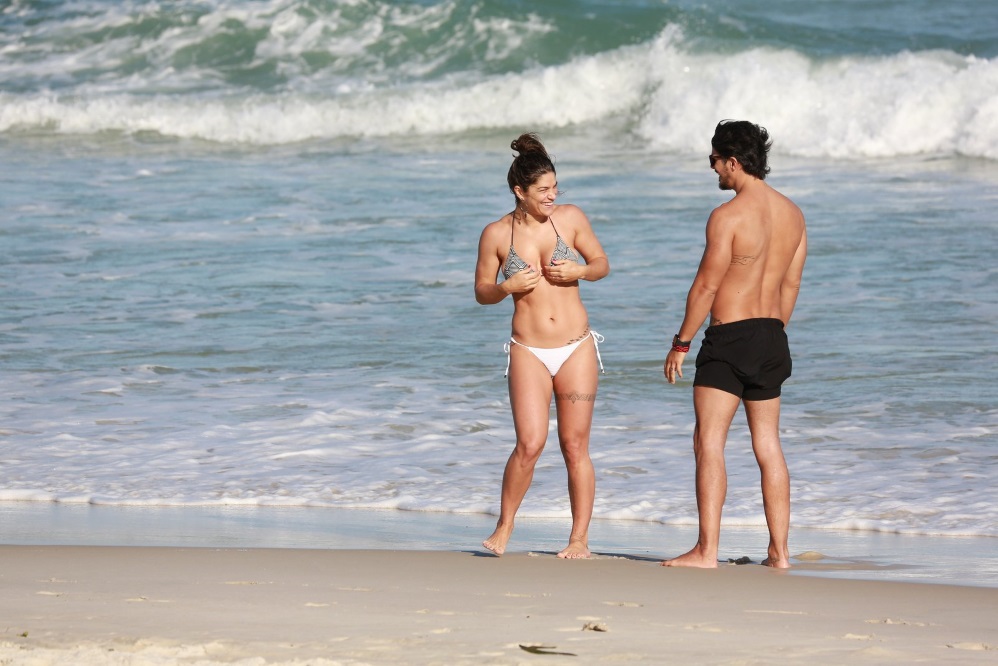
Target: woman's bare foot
(497,542)
(576,550)
(694,558)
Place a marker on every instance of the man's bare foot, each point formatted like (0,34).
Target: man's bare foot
(778,555)
(497,542)
(576,550)
(694,558)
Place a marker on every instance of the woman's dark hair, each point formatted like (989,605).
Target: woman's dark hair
(531,163)
(746,142)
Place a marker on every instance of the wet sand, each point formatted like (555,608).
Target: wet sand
(153,605)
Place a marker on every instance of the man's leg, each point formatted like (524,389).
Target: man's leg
(764,423)
(714,411)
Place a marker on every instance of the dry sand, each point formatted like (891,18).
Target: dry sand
(135,605)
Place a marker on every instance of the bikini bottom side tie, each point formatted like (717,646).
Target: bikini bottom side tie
(554,357)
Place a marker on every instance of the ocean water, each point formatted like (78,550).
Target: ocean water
(237,244)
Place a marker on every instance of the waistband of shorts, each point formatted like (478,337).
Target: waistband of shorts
(744,325)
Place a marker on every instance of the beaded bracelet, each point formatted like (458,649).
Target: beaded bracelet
(680,345)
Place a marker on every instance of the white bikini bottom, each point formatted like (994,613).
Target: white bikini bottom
(554,357)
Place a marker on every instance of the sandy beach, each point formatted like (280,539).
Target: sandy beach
(252,413)
(167,605)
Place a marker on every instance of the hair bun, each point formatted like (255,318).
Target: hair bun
(531,163)
(528,143)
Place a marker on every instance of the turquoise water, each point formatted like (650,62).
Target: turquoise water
(237,244)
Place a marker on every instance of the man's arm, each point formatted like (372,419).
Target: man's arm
(713,267)
(790,287)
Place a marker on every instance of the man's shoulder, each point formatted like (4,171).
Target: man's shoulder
(752,205)
(729,212)
(781,195)
(785,210)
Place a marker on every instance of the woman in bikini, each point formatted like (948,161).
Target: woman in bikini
(551,351)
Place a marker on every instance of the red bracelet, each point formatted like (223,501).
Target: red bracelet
(680,345)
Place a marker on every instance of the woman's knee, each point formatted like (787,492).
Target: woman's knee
(574,447)
(529,449)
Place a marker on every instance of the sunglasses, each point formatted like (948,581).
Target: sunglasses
(713,158)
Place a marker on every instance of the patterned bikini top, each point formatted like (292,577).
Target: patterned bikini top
(514,264)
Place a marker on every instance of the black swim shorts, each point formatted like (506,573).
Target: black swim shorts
(749,358)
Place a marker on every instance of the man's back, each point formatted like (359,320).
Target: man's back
(765,232)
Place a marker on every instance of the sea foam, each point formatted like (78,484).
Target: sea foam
(666,92)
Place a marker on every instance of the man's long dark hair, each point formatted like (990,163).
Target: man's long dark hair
(746,142)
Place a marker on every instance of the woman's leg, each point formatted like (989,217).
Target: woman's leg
(575,388)
(530,398)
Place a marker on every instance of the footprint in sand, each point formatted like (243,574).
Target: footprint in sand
(427,611)
(703,627)
(595,626)
(893,621)
(623,604)
(973,646)
(779,612)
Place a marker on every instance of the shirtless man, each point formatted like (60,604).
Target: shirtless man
(748,281)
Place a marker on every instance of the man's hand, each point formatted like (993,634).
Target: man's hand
(674,365)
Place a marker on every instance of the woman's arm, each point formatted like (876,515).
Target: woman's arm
(487,292)
(597,265)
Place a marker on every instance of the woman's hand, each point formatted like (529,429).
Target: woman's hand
(563,271)
(523,282)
